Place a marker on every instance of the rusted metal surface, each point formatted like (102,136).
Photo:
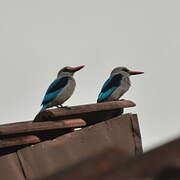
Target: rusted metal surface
(47,158)
(30,127)
(156,164)
(10,168)
(74,111)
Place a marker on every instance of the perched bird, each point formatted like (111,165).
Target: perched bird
(61,88)
(117,84)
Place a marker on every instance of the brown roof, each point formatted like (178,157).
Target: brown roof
(58,146)
(56,122)
(108,146)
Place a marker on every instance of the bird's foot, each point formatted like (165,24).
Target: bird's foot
(58,106)
(66,107)
(61,106)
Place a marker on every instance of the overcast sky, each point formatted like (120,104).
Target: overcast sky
(39,37)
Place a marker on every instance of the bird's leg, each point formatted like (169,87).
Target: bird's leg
(58,106)
(61,106)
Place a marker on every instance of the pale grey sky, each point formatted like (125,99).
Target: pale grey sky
(39,37)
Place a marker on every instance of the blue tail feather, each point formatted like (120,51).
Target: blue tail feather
(45,106)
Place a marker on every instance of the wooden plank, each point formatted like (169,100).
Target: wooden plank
(137,135)
(83,109)
(30,127)
(50,157)
(18,141)
(95,167)
(11,168)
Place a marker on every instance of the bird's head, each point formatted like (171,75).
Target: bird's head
(69,71)
(125,71)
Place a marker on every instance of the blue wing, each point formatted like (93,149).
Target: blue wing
(109,87)
(54,89)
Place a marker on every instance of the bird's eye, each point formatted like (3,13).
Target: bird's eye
(66,70)
(125,69)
